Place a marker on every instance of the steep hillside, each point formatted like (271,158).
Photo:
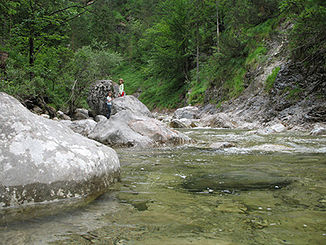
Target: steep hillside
(281,89)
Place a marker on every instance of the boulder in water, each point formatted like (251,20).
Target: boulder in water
(221,145)
(188,112)
(126,128)
(219,120)
(45,163)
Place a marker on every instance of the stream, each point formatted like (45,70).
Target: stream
(259,189)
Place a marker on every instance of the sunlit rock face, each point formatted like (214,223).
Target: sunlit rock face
(43,161)
(130,103)
(132,125)
(134,130)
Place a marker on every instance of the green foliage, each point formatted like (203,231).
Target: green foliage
(269,83)
(168,50)
(308,43)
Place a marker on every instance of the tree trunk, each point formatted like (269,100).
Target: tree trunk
(197,53)
(31,56)
(31,42)
(217,28)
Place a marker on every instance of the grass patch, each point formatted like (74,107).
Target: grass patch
(197,93)
(256,57)
(269,83)
(133,78)
(235,85)
(294,93)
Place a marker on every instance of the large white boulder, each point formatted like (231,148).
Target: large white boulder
(126,128)
(130,103)
(44,162)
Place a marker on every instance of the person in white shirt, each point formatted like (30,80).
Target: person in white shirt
(121,88)
(109,104)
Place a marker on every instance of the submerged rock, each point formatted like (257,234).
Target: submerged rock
(235,180)
(43,162)
(272,148)
(221,145)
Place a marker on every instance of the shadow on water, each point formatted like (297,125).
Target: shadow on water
(261,190)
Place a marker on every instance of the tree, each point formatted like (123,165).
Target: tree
(308,42)
(37,24)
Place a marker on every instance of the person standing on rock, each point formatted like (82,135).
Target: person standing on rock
(109,104)
(121,88)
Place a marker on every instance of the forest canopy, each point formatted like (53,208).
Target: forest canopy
(170,51)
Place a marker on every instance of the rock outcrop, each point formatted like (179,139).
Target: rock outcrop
(97,95)
(44,163)
(296,98)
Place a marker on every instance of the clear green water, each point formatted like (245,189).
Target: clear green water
(151,206)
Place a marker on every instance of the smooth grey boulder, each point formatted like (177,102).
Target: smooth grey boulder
(130,103)
(80,114)
(98,92)
(126,128)
(83,127)
(189,112)
(219,120)
(235,180)
(43,162)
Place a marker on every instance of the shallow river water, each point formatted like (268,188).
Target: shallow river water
(153,204)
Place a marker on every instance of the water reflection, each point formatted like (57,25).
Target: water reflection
(152,206)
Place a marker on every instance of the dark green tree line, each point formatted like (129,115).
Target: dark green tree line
(172,51)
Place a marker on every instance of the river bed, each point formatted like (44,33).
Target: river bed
(153,204)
